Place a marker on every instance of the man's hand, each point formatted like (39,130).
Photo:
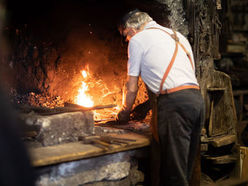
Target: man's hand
(123,116)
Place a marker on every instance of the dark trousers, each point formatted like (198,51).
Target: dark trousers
(180,119)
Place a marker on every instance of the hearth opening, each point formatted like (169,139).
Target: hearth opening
(69,52)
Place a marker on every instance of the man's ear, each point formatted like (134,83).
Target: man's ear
(133,31)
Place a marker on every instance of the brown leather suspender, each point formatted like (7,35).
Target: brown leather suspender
(176,39)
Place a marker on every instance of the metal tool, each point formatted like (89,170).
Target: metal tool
(111,139)
(94,140)
(105,142)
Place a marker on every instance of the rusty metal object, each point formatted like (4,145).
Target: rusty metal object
(72,105)
(58,110)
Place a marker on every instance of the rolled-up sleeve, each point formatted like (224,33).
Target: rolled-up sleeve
(135,54)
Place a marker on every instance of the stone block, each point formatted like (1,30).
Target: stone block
(118,169)
(60,128)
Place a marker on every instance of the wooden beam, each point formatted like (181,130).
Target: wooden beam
(223,140)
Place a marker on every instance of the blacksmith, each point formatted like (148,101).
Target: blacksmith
(163,58)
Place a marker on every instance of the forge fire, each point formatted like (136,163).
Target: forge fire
(82,98)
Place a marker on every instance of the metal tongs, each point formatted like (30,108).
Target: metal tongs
(105,142)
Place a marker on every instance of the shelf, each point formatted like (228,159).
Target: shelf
(212,89)
(239,92)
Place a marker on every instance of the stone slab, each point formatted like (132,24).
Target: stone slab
(60,128)
(103,170)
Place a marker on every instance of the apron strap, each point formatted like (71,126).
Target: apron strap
(176,39)
(154,120)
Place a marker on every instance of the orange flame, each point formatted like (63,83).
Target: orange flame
(82,98)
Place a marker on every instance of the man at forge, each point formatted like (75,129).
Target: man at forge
(164,60)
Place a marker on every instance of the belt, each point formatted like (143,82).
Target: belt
(182,87)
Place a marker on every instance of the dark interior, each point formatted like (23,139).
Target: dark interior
(52,41)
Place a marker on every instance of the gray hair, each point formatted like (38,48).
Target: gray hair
(137,20)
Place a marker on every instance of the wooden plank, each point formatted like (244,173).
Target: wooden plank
(43,156)
(223,140)
(244,163)
(212,89)
(210,125)
(240,129)
(236,48)
(239,92)
(231,182)
(223,159)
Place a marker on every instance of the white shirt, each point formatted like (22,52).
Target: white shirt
(150,52)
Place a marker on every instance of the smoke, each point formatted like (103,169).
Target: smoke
(177,15)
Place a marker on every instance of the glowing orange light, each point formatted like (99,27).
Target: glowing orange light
(84,73)
(82,98)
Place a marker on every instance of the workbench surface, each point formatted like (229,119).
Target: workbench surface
(43,156)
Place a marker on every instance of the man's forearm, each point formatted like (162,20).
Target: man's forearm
(129,101)
(131,92)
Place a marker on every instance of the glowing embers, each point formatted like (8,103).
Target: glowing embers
(82,98)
